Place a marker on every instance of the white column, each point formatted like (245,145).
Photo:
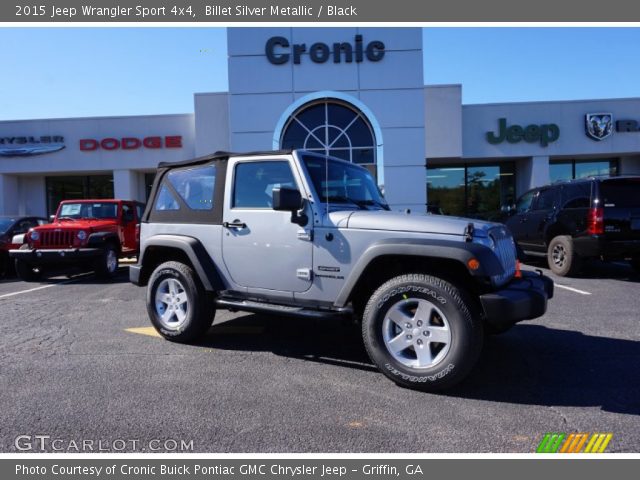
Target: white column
(8,194)
(125,185)
(532,172)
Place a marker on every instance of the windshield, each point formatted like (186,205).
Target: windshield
(5,224)
(339,182)
(88,210)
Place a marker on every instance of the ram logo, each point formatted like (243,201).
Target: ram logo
(598,125)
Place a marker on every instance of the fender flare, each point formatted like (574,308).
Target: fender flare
(458,251)
(98,239)
(200,259)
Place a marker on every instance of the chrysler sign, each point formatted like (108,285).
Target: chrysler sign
(24,146)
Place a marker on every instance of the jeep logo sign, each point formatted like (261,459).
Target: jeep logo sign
(544,134)
(279,51)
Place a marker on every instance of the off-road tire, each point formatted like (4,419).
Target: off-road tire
(465,329)
(562,258)
(26,271)
(106,265)
(191,319)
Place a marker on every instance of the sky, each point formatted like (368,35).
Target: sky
(83,72)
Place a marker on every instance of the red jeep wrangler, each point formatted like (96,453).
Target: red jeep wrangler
(93,233)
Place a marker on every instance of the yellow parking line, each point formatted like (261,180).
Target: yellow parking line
(216,330)
(150,331)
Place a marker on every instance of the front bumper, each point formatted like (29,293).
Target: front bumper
(56,256)
(522,299)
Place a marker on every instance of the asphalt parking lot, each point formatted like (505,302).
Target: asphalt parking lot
(78,361)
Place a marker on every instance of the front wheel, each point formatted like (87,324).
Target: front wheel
(178,305)
(107,263)
(421,333)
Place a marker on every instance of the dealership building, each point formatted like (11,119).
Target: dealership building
(355,93)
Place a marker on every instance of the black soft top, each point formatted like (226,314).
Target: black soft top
(221,155)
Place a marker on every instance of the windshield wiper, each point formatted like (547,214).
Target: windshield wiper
(374,202)
(67,218)
(343,199)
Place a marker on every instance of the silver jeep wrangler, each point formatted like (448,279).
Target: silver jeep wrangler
(297,233)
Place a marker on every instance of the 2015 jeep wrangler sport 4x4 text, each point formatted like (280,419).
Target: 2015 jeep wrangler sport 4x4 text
(298,233)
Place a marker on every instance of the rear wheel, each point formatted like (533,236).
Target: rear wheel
(420,332)
(561,256)
(178,306)
(26,271)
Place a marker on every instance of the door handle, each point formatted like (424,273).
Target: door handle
(235,224)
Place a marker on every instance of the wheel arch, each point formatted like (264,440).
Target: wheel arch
(100,239)
(446,259)
(553,231)
(185,249)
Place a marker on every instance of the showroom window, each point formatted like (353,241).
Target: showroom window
(570,169)
(77,187)
(334,128)
(477,191)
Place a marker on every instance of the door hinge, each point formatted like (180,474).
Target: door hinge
(303,273)
(306,235)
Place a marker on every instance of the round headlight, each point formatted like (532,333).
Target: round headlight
(82,235)
(34,235)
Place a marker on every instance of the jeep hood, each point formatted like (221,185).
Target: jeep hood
(402,222)
(85,224)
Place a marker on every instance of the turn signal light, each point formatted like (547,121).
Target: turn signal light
(518,273)
(473,264)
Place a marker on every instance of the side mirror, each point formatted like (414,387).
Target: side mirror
(51,218)
(286,199)
(289,200)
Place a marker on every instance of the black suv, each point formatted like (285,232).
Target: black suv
(578,219)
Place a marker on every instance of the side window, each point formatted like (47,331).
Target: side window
(524,202)
(576,196)
(546,199)
(139,211)
(24,226)
(254,182)
(165,200)
(127,213)
(195,186)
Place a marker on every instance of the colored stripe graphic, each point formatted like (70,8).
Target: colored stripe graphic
(550,443)
(555,442)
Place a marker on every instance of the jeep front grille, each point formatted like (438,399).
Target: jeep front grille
(505,249)
(57,238)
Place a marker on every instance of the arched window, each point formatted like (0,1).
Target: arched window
(334,128)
